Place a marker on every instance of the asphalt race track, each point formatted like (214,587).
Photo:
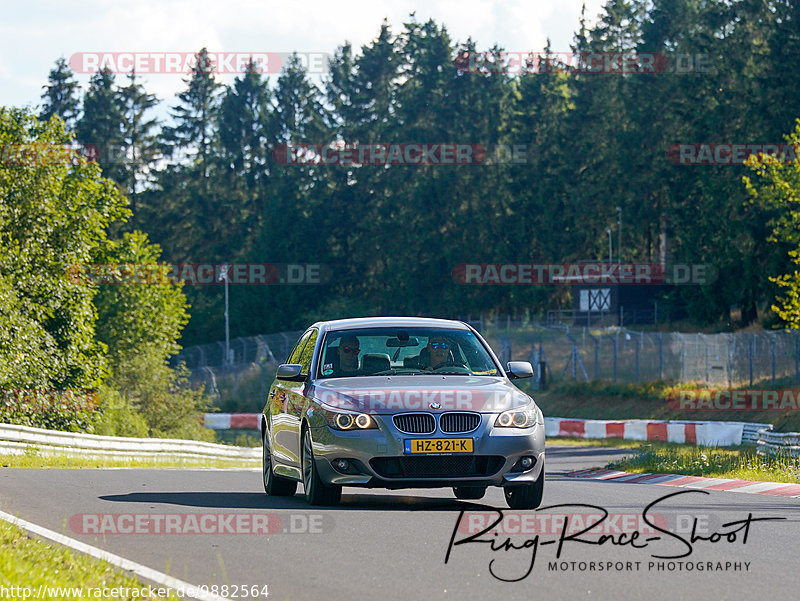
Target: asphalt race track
(392,544)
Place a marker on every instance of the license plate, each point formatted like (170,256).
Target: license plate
(438,445)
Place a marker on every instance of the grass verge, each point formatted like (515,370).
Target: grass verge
(32,459)
(31,563)
(616,443)
(740,463)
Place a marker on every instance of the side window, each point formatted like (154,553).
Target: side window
(294,356)
(308,352)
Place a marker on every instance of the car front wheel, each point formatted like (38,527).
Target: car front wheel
(526,496)
(317,493)
(274,485)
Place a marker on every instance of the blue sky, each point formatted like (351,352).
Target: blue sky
(34,34)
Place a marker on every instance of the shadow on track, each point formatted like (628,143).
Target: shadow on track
(248,500)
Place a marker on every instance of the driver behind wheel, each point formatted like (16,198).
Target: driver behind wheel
(439,351)
(345,361)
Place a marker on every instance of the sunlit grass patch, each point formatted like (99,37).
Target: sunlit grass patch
(617,443)
(36,460)
(38,567)
(740,463)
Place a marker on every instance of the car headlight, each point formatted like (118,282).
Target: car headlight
(516,418)
(351,421)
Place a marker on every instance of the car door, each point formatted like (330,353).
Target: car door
(298,402)
(285,450)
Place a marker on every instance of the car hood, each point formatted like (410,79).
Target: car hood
(390,394)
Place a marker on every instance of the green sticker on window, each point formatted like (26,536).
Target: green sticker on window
(327,372)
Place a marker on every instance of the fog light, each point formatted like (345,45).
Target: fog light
(341,465)
(523,464)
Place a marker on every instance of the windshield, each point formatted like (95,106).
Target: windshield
(394,351)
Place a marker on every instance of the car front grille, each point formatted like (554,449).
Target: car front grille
(415,423)
(456,423)
(439,466)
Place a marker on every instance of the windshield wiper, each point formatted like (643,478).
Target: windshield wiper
(451,373)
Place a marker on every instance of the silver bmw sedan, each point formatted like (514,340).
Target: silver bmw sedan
(401,402)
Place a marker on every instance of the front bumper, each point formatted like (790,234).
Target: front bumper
(376,457)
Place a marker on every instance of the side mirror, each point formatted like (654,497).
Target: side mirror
(290,371)
(519,369)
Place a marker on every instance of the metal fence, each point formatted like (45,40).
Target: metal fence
(626,355)
(562,352)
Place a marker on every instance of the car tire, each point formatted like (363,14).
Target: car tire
(525,496)
(274,486)
(469,493)
(317,492)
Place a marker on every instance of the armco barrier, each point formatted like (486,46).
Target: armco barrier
(774,443)
(16,440)
(690,432)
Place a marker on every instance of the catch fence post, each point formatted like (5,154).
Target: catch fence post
(614,369)
(772,345)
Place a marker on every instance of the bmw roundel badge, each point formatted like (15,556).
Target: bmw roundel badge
(435,405)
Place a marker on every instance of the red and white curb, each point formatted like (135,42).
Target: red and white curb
(720,434)
(775,489)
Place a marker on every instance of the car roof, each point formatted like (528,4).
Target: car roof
(390,322)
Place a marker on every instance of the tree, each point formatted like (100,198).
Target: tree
(182,211)
(145,314)
(139,137)
(195,115)
(775,186)
(243,150)
(55,209)
(140,322)
(101,124)
(60,94)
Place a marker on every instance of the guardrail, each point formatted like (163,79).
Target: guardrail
(751,430)
(698,432)
(17,440)
(774,443)
(686,432)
